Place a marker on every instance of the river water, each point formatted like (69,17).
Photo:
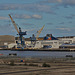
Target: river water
(52,54)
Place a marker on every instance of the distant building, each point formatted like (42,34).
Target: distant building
(5,40)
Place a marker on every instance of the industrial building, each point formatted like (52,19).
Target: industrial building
(9,41)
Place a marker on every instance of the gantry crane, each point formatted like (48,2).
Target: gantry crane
(38,32)
(20,33)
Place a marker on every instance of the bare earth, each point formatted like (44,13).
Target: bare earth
(57,66)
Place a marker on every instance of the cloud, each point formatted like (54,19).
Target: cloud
(27,24)
(34,7)
(69,17)
(64,29)
(38,7)
(25,16)
(61,23)
(61,2)
(6,30)
(22,16)
(4,18)
(52,1)
(70,22)
(37,16)
(72,16)
(68,2)
(29,30)
(49,23)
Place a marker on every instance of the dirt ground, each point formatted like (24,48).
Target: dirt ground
(33,66)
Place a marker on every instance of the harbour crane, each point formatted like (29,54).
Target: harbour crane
(19,31)
(34,38)
(38,32)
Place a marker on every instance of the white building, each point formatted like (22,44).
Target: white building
(12,45)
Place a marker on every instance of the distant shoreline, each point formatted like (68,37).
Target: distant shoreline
(61,50)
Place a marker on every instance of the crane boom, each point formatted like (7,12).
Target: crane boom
(39,32)
(14,23)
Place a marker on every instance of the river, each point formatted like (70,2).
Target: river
(52,54)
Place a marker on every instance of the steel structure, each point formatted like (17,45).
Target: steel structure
(38,32)
(19,31)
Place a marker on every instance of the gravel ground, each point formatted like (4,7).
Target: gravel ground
(57,66)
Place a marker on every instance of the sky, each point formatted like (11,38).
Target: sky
(58,16)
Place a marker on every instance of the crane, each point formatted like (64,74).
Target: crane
(19,31)
(33,38)
(38,32)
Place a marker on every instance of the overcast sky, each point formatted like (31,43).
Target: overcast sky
(58,16)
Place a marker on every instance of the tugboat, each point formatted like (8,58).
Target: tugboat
(69,56)
(12,54)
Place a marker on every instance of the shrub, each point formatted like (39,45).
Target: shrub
(45,65)
(25,64)
(33,64)
(11,63)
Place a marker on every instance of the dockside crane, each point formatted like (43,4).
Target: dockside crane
(35,38)
(38,32)
(19,31)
